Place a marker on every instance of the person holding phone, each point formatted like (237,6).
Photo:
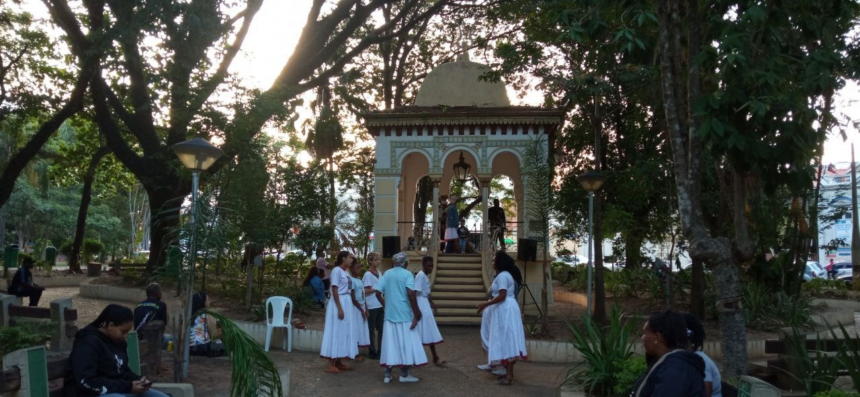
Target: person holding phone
(99,359)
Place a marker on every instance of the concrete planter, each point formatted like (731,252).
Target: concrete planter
(109,292)
(60,281)
(542,351)
(307,340)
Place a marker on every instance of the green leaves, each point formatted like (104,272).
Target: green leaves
(604,352)
(254,372)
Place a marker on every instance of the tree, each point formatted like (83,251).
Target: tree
(742,80)
(161,101)
(539,204)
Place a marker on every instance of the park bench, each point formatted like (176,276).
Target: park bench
(118,267)
(60,312)
(28,372)
(784,369)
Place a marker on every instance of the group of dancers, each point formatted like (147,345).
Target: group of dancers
(402,303)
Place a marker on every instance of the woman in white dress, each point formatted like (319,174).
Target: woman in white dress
(338,337)
(427,328)
(502,323)
(359,309)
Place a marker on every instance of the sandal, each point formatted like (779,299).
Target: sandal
(343,367)
(505,381)
(332,370)
(358,359)
(440,363)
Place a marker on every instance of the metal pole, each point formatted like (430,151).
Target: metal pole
(195,178)
(590,238)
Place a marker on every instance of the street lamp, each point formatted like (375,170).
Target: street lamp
(591,181)
(197,155)
(461,169)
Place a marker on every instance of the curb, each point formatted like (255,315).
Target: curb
(108,292)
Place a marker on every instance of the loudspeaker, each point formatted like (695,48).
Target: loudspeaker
(390,246)
(526,249)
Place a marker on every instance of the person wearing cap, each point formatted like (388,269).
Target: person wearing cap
(401,343)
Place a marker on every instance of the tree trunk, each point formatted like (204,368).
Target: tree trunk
(2,232)
(697,289)
(633,252)
(86,196)
(599,288)
(164,217)
(333,204)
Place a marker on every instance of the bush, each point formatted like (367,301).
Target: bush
(24,335)
(604,352)
(836,393)
(764,310)
(577,278)
(629,370)
(825,287)
(91,247)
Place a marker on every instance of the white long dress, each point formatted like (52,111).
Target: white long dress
(338,336)
(359,324)
(502,325)
(427,327)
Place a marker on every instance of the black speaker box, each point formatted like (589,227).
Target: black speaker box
(390,246)
(526,249)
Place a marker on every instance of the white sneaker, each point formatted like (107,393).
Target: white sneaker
(408,379)
(485,367)
(500,372)
(386,379)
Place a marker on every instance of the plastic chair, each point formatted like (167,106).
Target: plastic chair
(279,303)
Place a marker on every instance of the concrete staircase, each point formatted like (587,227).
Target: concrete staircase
(458,289)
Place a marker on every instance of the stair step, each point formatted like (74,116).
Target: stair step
(459,320)
(460,266)
(445,259)
(459,281)
(457,304)
(459,273)
(460,288)
(451,311)
(459,295)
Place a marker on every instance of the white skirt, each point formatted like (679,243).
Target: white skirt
(506,340)
(486,318)
(427,328)
(338,336)
(451,234)
(401,346)
(359,326)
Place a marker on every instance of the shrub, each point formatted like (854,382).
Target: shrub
(577,278)
(767,311)
(91,247)
(816,370)
(22,336)
(603,351)
(836,393)
(825,287)
(629,370)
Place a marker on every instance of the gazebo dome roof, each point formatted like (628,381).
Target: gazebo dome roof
(458,84)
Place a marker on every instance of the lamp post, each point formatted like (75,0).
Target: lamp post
(591,181)
(197,155)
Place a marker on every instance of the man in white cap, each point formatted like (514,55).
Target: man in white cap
(401,344)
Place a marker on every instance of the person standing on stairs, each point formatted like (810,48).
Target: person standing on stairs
(375,303)
(452,220)
(463,234)
(427,327)
(401,343)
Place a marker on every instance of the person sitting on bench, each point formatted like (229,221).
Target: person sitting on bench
(99,359)
(23,285)
(205,331)
(152,309)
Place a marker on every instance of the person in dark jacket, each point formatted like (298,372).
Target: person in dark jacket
(152,309)
(673,371)
(23,285)
(99,359)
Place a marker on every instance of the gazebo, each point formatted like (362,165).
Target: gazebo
(456,118)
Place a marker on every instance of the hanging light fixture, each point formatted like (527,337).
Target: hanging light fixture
(461,169)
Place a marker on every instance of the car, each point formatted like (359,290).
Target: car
(813,270)
(570,260)
(842,268)
(846,278)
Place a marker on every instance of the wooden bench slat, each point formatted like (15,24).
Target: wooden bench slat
(29,312)
(58,369)
(10,380)
(71,314)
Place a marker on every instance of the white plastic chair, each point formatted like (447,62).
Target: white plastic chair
(279,303)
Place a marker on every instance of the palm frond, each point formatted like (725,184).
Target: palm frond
(254,372)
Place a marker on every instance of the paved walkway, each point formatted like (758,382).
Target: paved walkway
(462,350)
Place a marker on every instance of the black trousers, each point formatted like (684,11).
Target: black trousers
(34,293)
(375,319)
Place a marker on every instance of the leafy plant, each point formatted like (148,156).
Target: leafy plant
(253,369)
(824,287)
(766,311)
(18,337)
(92,247)
(629,370)
(836,393)
(815,373)
(848,353)
(603,350)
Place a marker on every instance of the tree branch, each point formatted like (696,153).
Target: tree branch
(110,130)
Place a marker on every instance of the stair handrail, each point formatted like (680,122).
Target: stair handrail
(488,250)
(433,250)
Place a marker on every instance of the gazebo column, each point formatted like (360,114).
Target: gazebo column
(434,239)
(485,198)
